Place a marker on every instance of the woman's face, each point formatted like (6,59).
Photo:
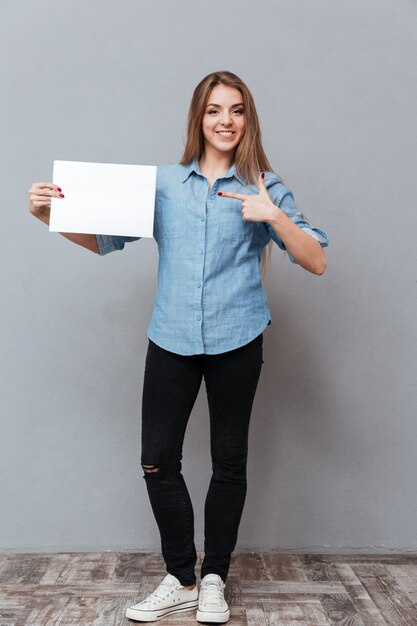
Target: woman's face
(224,112)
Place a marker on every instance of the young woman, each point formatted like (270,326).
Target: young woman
(217,213)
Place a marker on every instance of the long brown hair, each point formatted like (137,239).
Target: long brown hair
(250,157)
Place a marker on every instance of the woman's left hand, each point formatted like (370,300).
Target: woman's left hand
(257,208)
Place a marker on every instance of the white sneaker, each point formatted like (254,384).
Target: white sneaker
(169,597)
(212,607)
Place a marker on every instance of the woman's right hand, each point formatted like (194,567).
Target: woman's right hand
(40,196)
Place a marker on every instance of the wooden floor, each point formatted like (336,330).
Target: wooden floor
(262,589)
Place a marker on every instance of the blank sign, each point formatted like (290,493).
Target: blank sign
(104,198)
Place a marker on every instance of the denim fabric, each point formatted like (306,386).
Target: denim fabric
(170,388)
(210,297)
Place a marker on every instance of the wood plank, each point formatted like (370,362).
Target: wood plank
(13,617)
(57,564)
(93,589)
(307,614)
(282,567)
(255,615)
(89,567)
(394,605)
(250,566)
(111,611)
(265,588)
(79,611)
(44,611)
(361,600)
(317,567)
(24,568)
(130,567)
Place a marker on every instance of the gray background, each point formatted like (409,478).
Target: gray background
(333,434)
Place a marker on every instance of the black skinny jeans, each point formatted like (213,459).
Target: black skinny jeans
(171,385)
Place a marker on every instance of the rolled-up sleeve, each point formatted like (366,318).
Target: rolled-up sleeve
(109,243)
(284,199)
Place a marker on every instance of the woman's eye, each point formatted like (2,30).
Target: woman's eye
(236,111)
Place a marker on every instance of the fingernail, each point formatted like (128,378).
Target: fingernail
(59,189)
(61,195)
(263,174)
(219,193)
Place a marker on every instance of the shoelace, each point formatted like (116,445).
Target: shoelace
(160,593)
(212,593)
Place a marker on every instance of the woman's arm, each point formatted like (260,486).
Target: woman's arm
(82,239)
(285,223)
(306,251)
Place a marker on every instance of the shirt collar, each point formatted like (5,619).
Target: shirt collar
(194,167)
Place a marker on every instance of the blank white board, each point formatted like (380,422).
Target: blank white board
(104,198)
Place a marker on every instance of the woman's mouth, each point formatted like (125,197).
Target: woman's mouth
(225,133)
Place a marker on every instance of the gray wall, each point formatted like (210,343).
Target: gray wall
(333,434)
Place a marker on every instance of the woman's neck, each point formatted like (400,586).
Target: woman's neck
(215,164)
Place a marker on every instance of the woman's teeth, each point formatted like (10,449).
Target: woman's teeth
(226,133)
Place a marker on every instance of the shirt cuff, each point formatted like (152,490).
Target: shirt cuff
(109,243)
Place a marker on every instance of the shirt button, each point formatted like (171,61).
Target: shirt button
(200,252)
(199,285)
(203,219)
(198,318)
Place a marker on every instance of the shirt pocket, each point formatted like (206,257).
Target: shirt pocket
(232,226)
(170,216)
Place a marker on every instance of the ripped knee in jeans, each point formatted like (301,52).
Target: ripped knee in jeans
(149,469)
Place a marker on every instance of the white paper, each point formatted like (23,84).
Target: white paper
(104,198)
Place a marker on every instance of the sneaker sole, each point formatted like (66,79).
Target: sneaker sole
(151,616)
(209,616)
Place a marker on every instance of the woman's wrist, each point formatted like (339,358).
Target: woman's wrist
(43,217)
(275,215)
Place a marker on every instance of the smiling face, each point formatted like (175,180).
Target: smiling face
(224,112)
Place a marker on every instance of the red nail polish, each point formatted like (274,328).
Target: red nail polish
(263,174)
(61,195)
(219,193)
(59,189)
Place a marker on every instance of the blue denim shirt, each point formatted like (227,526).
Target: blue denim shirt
(210,297)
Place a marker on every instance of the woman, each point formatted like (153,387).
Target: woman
(217,213)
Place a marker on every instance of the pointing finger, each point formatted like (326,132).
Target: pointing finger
(230,194)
